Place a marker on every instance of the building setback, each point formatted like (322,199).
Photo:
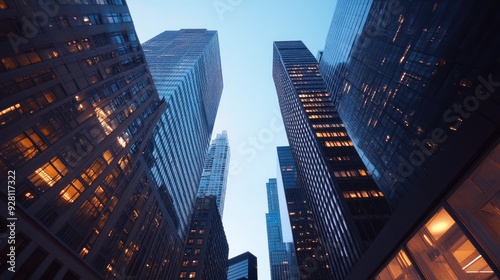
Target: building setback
(280,253)
(308,250)
(78,109)
(243,266)
(186,70)
(348,207)
(215,171)
(206,250)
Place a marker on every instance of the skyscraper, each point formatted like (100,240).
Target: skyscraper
(78,107)
(405,77)
(186,70)
(280,254)
(215,171)
(415,84)
(242,267)
(348,207)
(309,253)
(206,250)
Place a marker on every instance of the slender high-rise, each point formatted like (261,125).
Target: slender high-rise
(186,70)
(348,207)
(309,253)
(78,109)
(215,171)
(280,253)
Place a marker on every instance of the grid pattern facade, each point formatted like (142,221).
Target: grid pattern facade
(206,250)
(215,171)
(308,250)
(348,207)
(78,106)
(405,76)
(279,252)
(186,70)
(242,267)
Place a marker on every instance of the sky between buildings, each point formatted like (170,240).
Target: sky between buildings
(249,108)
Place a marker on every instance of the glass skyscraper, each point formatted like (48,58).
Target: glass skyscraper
(309,253)
(186,70)
(348,207)
(405,76)
(78,110)
(280,253)
(415,83)
(215,171)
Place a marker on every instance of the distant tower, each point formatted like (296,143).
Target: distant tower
(348,207)
(215,171)
(280,253)
(242,267)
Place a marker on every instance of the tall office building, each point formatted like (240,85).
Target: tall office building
(78,106)
(242,267)
(309,253)
(206,250)
(186,70)
(348,207)
(405,76)
(417,92)
(215,171)
(280,253)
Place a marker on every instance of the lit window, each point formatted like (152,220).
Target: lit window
(199,241)
(194,263)
(183,275)
(49,174)
(192,275)
(202,231)
(400,267)
(72,191)
(185,263)
(197,252)
(190,241)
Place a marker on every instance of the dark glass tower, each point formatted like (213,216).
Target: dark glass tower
(405,76)
(206,250)
(215,171)
(347,205)
(280,253)
(242,267)
(309,253)
(416,84)
(186,70)
(78,107)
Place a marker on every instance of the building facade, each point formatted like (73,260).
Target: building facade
(280,253)
(405,76)
(243,266)
(206,250)
(416,91)
(215,171)
(309,254)
(348,207)
(186,70)
(78,107)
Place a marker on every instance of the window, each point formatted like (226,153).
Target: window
(3,5)
(194,263)
(71,192)
(22,148)
(48,174)
(183,275)
(185,263)
(400,267)
(199,241)
(202,231)
(190,241)
(197,252)
(192,275)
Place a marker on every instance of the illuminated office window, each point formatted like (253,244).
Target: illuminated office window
(442,251)
(400,267)
(48,174)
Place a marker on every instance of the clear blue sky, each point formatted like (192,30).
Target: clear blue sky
(249,108)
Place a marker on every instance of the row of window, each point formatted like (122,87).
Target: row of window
(350,173)
(363,194)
